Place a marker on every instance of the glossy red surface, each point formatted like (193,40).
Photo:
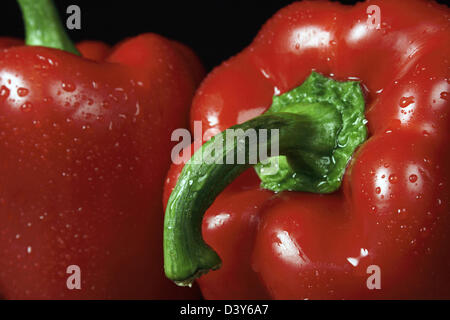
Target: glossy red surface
(393,209)
(94,50)
(84,152)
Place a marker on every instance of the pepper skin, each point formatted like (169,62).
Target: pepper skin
(94,50)
(89,49)
(84,154)
(393,208)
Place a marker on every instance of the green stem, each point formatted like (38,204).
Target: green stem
(320,124)
(313,128)
(43,26)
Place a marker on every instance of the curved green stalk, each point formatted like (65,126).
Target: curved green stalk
(43,26)
(309,128)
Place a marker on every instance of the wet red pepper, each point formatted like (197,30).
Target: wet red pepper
(83,154)
(392,211)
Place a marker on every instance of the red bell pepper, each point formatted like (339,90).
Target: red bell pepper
(390,218)
(83,154)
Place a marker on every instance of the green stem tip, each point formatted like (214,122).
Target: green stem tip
(43,26)
(315,129)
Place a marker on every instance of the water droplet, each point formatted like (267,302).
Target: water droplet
(37,123)
(377,190)
(393,178)
(413,178)
(26,107)
(22,92)
(4,92)
(444,95)
(68,86)
(48,99)
(402,212)
(138,109)
(406,101)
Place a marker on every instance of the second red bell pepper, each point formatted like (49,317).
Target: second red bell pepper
(266,237)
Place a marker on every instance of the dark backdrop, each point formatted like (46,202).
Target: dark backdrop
(215,29)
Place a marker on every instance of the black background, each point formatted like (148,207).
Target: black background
(215,29)
(62,310)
